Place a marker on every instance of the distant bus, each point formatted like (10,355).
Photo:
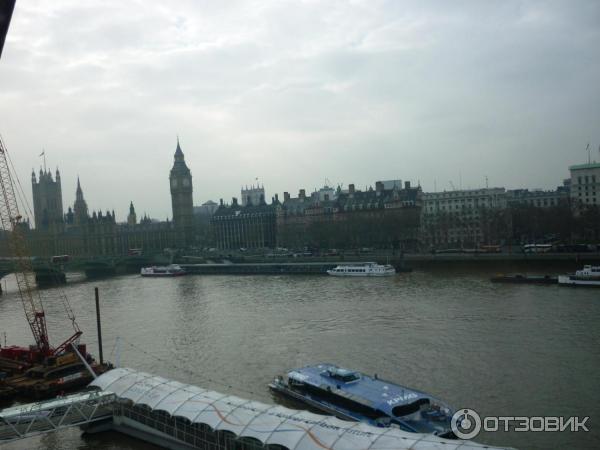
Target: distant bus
(537,248)
(490,248)
(60,259)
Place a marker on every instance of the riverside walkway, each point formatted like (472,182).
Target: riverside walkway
(256,264)
(263,268)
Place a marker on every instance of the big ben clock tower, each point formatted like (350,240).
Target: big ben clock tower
(181,199)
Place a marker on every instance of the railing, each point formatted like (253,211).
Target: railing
(52,415)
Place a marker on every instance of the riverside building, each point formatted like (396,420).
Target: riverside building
(375,217)
(246,226)
(539,198)
(462,218)
(585,184)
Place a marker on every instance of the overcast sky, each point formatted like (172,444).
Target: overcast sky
(297,92)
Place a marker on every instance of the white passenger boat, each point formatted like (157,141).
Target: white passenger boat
(368,269)
(172,270)
(588,276)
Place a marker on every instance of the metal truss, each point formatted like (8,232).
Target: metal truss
(62,412)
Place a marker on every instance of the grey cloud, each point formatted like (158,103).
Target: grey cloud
(294,92)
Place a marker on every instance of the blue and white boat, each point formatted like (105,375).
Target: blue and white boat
(352,395)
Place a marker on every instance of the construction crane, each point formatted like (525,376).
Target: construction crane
(12,221)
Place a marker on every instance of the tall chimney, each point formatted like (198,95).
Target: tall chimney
(302,194)
(351,188)
(286,196)
(407,185)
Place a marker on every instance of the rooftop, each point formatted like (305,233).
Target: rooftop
(593,165)
(270,424)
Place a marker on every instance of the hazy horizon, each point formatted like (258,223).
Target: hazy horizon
(298,93)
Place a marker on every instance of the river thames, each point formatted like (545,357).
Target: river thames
(502,350)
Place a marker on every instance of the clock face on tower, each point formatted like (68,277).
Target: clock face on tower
(174,182)
(186,182)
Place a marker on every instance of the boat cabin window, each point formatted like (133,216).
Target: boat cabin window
(343,375)
(410,408)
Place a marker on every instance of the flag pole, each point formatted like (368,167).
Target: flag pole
(589,154)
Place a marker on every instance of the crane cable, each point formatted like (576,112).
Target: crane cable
(23,200)
(11,221)
(29,213)
(20,191)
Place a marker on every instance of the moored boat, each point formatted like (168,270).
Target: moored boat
(368,269)
(524,279)
(352,395)
(172,270)
(588,276)
(44,381)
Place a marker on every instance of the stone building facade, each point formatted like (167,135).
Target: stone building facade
(98,234)
(246,226)
(47,200)
(585,185)
(462,218)
(327,218)
(379,217)
(81,233)
(253,195)
(539,198)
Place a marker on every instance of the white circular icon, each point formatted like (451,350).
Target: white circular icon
(466,423)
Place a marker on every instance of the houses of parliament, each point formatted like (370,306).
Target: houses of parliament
(384,216)
(80,232)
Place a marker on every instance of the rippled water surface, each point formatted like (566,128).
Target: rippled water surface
(508,350)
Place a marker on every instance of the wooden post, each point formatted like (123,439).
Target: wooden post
(99,325)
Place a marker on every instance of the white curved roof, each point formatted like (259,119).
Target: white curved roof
(296,430)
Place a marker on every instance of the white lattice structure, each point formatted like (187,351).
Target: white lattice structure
(201,418)
(37,418)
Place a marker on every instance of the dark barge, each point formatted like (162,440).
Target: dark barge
(525,279)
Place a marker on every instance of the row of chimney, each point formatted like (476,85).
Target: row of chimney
(302,192)
(234,200)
